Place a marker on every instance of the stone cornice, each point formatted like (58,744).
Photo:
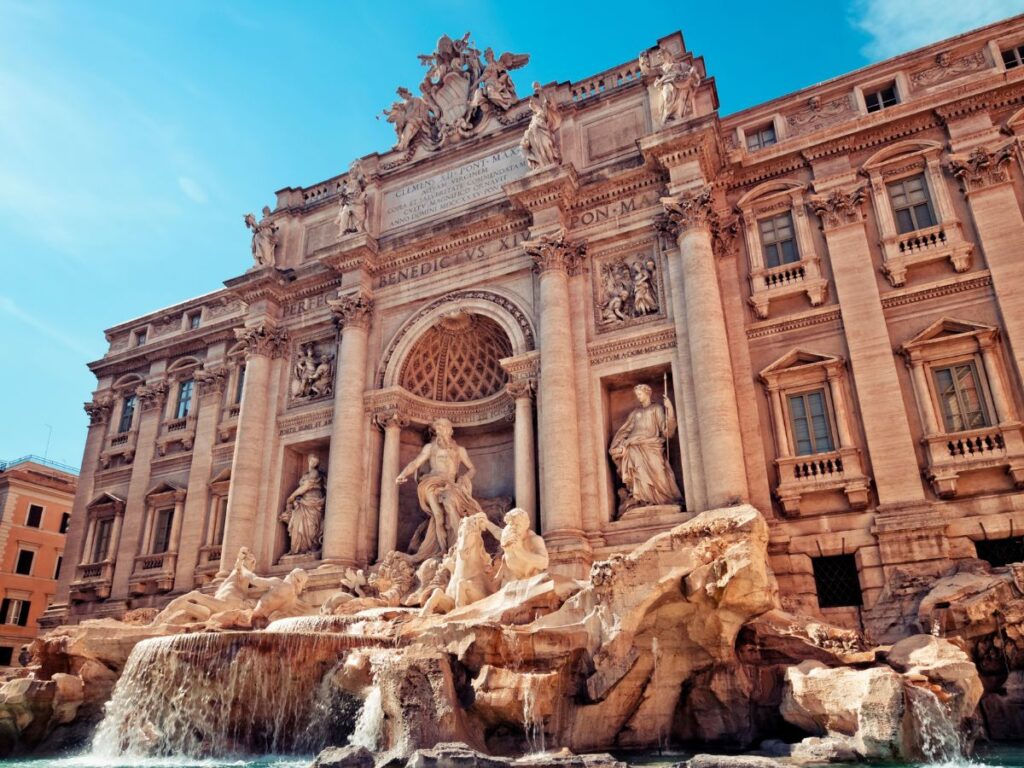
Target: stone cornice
(554,187)
(958,284)
(357,251)
(420,411)
(695,139)
(689,209)
(806,320)
(621,347)
(262,283)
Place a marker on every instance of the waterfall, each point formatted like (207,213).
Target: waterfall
(935,734)
(369,730)
(211,695)
(533,724)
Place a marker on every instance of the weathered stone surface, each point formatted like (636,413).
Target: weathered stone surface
(943,664)
(454,755)
(1003,709)
(729,761)
(344,757)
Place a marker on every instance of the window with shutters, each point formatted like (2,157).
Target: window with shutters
(23,567)
(34,518)
(15,611)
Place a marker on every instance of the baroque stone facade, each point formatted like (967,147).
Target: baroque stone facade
(821,294)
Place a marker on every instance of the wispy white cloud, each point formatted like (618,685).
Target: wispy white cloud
(10,308)
(192,189)
(897,26)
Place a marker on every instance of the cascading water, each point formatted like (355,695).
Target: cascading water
(936,735)
(369,730)
(204,695)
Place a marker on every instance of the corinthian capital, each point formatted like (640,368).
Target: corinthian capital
(392,417)
(152,395)
(99,409)
(263,340)
(353,310)
(521,388)
(692,208)
(839,207)
(555,253)
(982,167)
(211,380)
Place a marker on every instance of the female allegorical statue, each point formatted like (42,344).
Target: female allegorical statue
(304,511)
(638,452)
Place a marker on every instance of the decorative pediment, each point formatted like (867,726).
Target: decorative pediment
(165,489)
(106,501)
(947,327)
(771,189)
(797,360)
(900,151)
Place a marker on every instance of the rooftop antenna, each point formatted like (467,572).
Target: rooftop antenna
(46,453)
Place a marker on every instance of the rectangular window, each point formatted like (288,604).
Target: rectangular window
(34,518)
(777,240)
(881,98)
(24,564)
(140,338)
(911,204)
(835,578)
(1000,552)
(1013,57)
(808,415)
(221,514)
(65,521)
(6,655)
(101,546)
(194,319)
(759,138)
(960,399)
(127,414)
(56,570)
(240,385)
(14,611)
(162,531)
(184,399)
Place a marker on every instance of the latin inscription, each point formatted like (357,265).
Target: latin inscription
(443,261)
(614,210)
(452,188)
(307,304)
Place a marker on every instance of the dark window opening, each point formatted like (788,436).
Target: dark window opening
(835,578)
(56,571)
(34,519)
(162,531)
(194,319)
(999,552)
(65,520)
(1013,57)
(24,564)
(882,98)
(6,655)
(127,414)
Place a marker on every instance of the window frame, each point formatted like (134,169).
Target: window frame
(129,403)
(846,557)
(754,139)
(183,404)
(18,608)
(65,523)
(102,523)
(775,246)
(140,336)
(911,208)
(22,550)
(28,516)
(193,320)
(159,531)
(981,386)
(802,393)
(1017,52)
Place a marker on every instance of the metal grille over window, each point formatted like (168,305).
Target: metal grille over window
(1000,552)
(960,398)
(835,578)
(911,204)
(778,240)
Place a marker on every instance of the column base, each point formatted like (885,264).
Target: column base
(569,553)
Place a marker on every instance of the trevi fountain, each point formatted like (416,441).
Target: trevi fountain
(461,632)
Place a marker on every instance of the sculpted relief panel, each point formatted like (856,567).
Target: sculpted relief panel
(312,373)
(628,289)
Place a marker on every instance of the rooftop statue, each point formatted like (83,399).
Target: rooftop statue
(352,212)
(539,143)
(676,81)
(264,238)
(460,87)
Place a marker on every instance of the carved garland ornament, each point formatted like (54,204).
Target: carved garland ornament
(263,340)
(353,310)
(839,207)
(211,380)
(152,395)
(99,409)
(555,253)
(982,167)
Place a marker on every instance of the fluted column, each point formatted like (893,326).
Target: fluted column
(210,384)
(560,507)
(151,398)
(526,468)
(725,476)
(347,466)
(392,423)
(263,343)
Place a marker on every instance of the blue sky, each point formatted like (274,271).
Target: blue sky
(134,135)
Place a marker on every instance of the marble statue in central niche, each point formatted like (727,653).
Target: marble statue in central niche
(638,450)
(304,511)
(444,495)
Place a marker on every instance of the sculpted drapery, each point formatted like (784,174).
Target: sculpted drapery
(304,511)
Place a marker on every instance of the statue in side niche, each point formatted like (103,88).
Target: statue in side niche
(676,82)
(444,495)
(264,238)
(638,450)
(239,590)
(539,144)
(304,511)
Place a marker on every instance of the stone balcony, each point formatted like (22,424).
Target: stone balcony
(93,581)
(228,425)
(801,476)
(121,445)
(953,454)
(943,241)
(209,563)
(177,432)
(153,573)
(772,283)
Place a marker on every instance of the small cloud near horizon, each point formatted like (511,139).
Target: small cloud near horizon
(897,26)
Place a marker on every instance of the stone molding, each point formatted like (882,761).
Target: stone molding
(687,210)
(982,167)
(99,409)
(263,340)
(354,310)
(555,253)
(840,207)
(620,348)
(555,186)
(935,290)
(152,395)
(211,380)
(393,417)
(814,317)
(422,412)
